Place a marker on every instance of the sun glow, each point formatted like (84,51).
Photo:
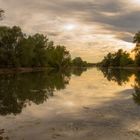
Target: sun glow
(69,27)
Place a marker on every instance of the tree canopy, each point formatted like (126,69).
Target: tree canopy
(118,59)
(20,50)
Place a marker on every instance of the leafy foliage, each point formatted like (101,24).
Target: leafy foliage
(78,62)
(119,59)
(120,76)
(136,40)
(19,50)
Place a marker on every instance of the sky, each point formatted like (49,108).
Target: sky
(88,28)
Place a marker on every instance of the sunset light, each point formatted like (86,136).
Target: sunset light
(69,27)
(69,69)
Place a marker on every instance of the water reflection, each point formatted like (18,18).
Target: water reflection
(122,76)
(78,71)
(90,103)
(136,94)
(19,90)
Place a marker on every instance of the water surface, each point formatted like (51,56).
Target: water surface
(89,104)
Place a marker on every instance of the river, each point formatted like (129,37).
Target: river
(89,104)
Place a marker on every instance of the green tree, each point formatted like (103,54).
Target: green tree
(136,40)
(40,43)
(19,50)
(58,57)
(118,59)
(78,62)
(124,58)
(9,43)
(107,61)
(26,52)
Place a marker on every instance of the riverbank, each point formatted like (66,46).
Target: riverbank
(35,69)
(22,70)
(127,68)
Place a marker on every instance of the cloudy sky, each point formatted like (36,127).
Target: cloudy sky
(89,28)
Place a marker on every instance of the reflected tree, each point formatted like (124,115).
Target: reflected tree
(19,90)
(120,76)
(136,94)
(120,58)
(78,71)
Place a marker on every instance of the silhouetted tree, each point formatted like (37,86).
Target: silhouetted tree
(19,50)
(136,40)
(20,90)
(58,57)
(10,39)
(78,62)
(136,94)
(120,76)
(118,59)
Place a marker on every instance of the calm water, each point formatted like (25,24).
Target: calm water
(89,104)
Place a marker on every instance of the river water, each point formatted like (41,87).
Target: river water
(89,104)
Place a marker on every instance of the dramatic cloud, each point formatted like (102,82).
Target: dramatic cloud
(89,29)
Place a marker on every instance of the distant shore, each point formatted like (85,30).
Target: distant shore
(127,68)
(32,69)
(37,69)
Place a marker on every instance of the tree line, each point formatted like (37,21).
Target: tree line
(18,49)
(122,58)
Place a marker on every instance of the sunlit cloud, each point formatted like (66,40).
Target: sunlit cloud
(69,27)
(89,29)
